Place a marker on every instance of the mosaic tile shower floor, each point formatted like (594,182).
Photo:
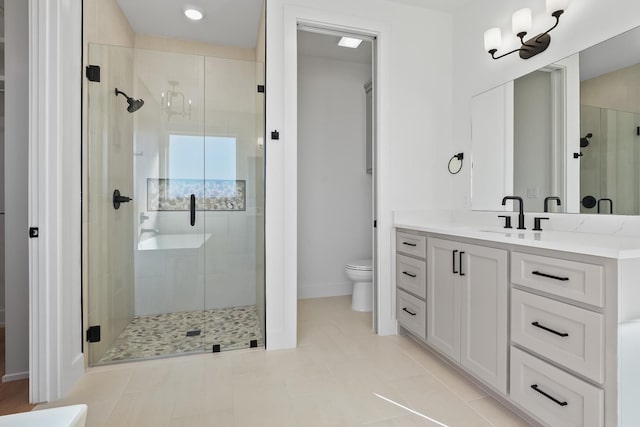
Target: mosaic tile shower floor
(166,334)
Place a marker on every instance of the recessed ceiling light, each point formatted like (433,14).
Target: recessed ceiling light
(193,14)
(349,42)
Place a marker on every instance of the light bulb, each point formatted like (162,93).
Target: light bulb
(492,39)
(521,21)
(556,5)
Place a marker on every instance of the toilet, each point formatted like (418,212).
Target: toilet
(361,274)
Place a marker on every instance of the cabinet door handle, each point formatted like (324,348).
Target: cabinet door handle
(560,334)
(461,273)
(550,276)
(409,244)
(408,311)
(409,274)
(535,387)
(453,262)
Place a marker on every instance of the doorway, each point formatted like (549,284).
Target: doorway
(336,174)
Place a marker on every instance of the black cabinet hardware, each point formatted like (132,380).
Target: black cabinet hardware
(560,334)
(461,273)
(605,199)
(507,220)
(535,387)
(118,198)
(536,223)
(34,232)
(409,244)
(453,262)
(408,311)
(409,274)
(192,209)
(550,276)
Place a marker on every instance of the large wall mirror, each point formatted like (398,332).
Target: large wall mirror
(566,137)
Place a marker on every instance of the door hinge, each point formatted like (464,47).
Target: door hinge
(34,232)
(93,334)
(93,73)
(260,88)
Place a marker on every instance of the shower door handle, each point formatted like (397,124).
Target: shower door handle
(192,209)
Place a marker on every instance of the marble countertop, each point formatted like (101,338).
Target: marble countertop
(587,243)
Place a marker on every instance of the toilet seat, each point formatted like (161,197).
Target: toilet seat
(360,265)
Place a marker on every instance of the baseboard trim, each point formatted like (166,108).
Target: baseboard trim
(15,377)
(322,291)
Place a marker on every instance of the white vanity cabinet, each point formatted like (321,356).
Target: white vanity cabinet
(411,282)
(467,306)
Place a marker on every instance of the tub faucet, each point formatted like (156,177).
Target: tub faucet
(521,210)
(149,230)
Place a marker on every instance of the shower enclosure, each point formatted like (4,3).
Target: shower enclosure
(175,256)
(610,159)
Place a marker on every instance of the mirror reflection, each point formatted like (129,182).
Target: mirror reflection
(569,134)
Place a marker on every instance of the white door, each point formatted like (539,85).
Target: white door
(483,302)
(443,295)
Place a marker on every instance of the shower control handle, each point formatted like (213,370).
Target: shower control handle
(118,198)
(192,209)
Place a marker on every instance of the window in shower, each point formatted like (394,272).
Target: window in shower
(219,157)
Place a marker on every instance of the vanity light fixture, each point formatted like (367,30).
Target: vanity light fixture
(521,25)
(349,42)
(193,14)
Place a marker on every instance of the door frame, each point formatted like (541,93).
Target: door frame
(282,175)
(56,361)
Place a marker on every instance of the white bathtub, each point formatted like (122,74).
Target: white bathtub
(173,241)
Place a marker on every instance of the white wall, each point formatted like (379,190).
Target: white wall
(16,190)
(414,127)
(585,23)
(334,190)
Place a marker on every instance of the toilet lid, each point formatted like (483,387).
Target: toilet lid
(361,264)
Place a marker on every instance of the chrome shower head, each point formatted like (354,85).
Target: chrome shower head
(134,104)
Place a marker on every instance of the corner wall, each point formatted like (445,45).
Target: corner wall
(16,178)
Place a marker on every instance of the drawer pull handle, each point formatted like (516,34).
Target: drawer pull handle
(535,387)
(409,274)
(550,276)
(560,334)
(409,244)
(453,262)
(408,311)
(460,264)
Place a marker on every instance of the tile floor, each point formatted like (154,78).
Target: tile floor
(333,378)
(165,334)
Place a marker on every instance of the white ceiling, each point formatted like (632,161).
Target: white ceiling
(443,5)
(225,22)
(326,46)
(618,52)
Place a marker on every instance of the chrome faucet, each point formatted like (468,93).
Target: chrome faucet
(521,210)
(546,202)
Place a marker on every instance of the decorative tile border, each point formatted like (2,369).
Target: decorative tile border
(165,194)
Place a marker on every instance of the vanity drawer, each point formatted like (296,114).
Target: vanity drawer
(412,314)
(411,244)
(552,395)
(565,334)
(578,281)
(411,275)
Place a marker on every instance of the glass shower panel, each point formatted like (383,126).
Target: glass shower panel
(110,167)
(234,176)
(169,185)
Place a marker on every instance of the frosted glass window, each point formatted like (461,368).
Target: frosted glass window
(186,159)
